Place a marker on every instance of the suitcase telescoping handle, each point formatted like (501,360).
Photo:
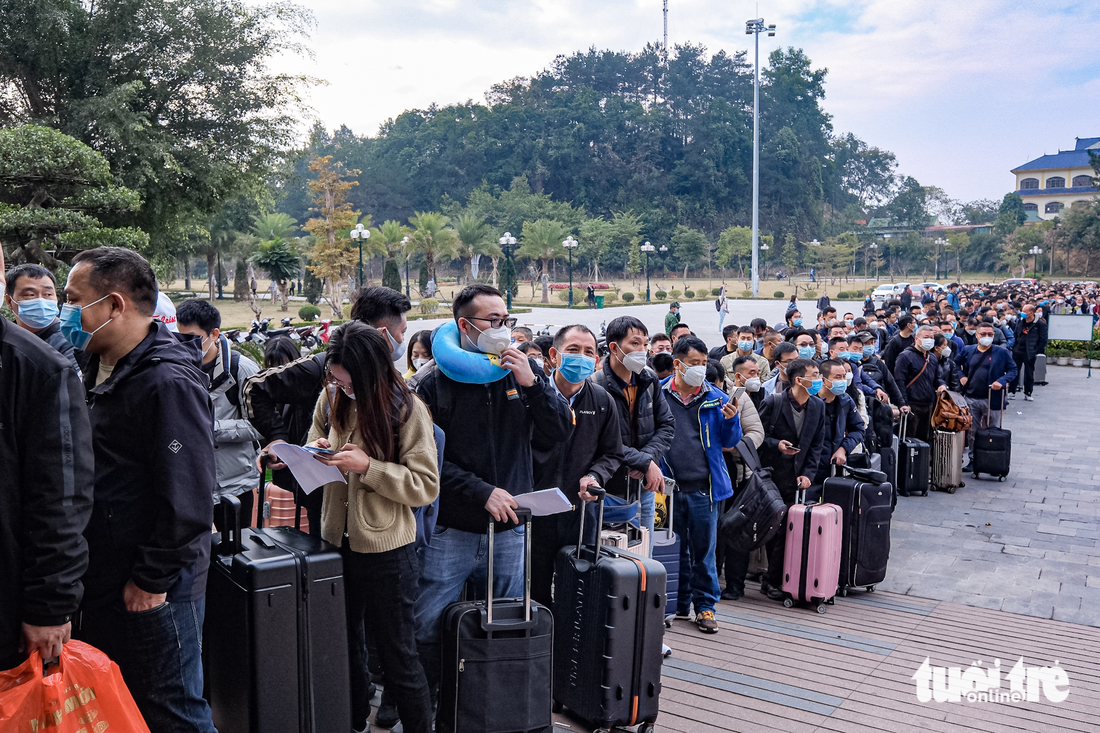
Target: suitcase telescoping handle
(262,509)
(524,516)
(670,489)
(231,526)
(599,494)
(904,423)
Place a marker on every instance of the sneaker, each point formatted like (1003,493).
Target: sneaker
(683,615)
(732,594)
(1011,395)
(666,651)
(1028,398)
(387,716)
(706,623)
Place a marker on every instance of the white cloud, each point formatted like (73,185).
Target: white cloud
(961,91)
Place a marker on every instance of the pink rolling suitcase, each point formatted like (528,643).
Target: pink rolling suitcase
(811,557)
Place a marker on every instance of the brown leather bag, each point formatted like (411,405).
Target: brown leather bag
(951,412)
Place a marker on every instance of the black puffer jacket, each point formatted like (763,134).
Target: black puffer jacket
(153,432)
(45,487)
(647,434)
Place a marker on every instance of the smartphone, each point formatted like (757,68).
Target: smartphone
(670,485)
(319,451)
(737,394)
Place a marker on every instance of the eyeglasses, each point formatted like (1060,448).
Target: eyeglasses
(510,322)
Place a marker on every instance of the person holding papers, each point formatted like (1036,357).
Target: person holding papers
(589,457)
(385,448)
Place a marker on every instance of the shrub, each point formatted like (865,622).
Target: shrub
(843,295)
(309,312)
(703,295)
(746,293)
(809,294)
(628,297)
(716,291)
(661,294)
(578,295)
(610,298)
(675,294)
(689,294)
(779,294)
(429,305)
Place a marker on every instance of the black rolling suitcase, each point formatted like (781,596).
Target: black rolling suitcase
(914,464)
(992,448)
(497,659)
(610,606)
(888,460)
(867,501)
(665,547)
(275,638)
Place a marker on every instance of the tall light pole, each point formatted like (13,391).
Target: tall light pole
(405,248)
(940,241)
(1035,252)
(647,248)
(507,244)
(754,28)
(360,234)
(570,244)
(874,257)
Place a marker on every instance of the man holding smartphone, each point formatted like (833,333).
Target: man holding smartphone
(794,434)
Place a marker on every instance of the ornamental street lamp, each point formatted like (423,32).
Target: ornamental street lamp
(360,234)
(405,247)
(508,245)
(647,248)
(940,241)
(1035,252)
(874,256)
(663,250)
(570,244)
(754,28)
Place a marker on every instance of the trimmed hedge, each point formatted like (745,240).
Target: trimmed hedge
(429,305)
(809,293)
(674,294)
(610,298)
(309,312)
(716,292)
(689,294)
(779,294)
(628,297)
(661,295)
(746,293)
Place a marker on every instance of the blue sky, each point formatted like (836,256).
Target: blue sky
(961,90)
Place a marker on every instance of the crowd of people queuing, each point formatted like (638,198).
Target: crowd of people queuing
(118,436)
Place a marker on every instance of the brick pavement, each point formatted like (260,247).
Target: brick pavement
(1029,544)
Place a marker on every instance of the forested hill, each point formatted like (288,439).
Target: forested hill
(611,131)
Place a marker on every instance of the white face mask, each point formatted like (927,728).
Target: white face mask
(694,375)
(985,340)
(946,353)
(824,348)
(927,344)
(752,384)
(848,377)
(634,361)
(493,340)
(398,348)
(539,362)
(418,363)
(350,395)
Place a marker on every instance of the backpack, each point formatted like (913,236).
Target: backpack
(718,304)
(951,412)
(757,510)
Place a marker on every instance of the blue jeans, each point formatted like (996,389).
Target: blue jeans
(647,511)
(696,521)
(453,558)
(721,320)
(159,652)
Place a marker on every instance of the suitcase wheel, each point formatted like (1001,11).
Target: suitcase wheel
(646,728)
(787,603)
(1000,478)
(952,489)
(557,707)
(924,493)
(821,608)
(870,589)
(844,592)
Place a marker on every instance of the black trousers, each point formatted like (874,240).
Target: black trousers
(1026,372)
(548,536)
(381,590)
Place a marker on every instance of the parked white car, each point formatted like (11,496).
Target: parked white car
(884,293)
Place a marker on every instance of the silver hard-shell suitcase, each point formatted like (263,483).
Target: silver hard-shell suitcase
(947,459)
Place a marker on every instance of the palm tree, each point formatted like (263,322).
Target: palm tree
(542,242)
(474,238)
(274,253)
(433,238)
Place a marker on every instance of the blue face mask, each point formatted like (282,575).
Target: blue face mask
(806,352)
(745,345)
(72,327)
(837,387)
(796,322)
(37,312)
(575,368)
(869,350)
(815,386)
(855,355)
(850,322)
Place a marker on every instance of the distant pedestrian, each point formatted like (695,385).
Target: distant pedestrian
(823,302)
(672,317)
(591,296)
(723,306)
(253,287)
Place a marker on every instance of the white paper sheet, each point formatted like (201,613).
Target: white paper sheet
(308,471)
(544,503)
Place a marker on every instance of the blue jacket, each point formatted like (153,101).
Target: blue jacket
(846,432)
(716,433)
(1002,369)
(953,301)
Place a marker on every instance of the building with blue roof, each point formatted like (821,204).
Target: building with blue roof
(1053,182)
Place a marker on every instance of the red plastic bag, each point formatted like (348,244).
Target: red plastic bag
(84,694)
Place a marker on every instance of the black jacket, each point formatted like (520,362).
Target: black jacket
(647,433)
(51,334)
(594,447)
(948,373)
(1031,339)
(489,429)
(45,487)
(894,347)
(778,419)
(842,429)
(922,391)
(279,401)
(876,369)
(153,433)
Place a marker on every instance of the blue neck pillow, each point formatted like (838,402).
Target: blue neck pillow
(468,367)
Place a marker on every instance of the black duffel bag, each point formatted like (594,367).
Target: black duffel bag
(756,512)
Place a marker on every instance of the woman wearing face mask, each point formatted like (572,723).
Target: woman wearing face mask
(386,449)
(794,318)
(419,353)
(948,369)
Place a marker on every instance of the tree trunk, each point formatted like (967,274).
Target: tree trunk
(284,294)
(187,273)
(496,262)
(467,271)
(210,265)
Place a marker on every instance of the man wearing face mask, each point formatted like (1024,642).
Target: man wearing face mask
(487,460)
(785,353)
(588,458)
(32,297)
(226,372)
(901,341)
(947,370)
(986,370)
(917,375)
(706,424)
(744,343)
(794,436)
(1031,340)
(843,426)
(645,421)
(672,317)
(149,534)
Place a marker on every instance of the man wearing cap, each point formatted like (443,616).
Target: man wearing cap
(672,317)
